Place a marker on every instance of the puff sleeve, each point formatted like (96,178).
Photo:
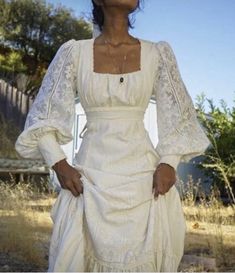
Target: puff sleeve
(50,119)
(180,135)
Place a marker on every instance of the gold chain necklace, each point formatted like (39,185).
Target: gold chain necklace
(115,64)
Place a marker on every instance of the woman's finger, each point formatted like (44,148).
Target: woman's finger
(78,185)
(72,188)
(156,191)
(159,188)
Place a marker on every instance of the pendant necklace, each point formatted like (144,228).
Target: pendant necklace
(112,58)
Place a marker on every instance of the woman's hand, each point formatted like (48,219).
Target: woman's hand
(68,177)
(163,179)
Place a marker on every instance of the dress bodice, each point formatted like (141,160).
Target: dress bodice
(106,90)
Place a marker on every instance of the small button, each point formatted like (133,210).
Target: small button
(121,79)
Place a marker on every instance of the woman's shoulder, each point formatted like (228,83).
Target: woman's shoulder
(157,51)
(161,44)
(157,48)
(71,47)
(74,43)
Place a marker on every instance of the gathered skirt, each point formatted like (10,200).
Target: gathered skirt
(116,225)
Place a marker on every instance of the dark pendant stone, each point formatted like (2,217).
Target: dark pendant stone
(121,79)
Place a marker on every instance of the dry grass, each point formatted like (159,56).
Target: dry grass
(26,227)
(210,227)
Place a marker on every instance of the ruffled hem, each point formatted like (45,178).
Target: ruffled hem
(159,263)
(169,263)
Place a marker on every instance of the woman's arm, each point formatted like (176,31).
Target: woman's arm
(181,137)
(50,119)
(53,108)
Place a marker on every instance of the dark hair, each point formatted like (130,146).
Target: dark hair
(98,15)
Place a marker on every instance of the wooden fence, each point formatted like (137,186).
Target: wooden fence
(14,104)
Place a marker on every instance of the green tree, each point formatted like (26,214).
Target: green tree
(38,29)
(219,163)
(12,62)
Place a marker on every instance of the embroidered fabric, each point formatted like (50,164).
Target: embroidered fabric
(180,134)
(54,106)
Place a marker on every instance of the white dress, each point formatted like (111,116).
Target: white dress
(116,224)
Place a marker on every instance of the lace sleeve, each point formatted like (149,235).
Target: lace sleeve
(53,109)
(181,136)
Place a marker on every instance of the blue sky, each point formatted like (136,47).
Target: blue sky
(201,33)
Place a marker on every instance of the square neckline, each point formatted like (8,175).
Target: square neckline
(116,74)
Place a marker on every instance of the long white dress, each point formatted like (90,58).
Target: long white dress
(116,224)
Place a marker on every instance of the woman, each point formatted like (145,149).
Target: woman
(118,209)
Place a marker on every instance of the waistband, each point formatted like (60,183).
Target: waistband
(115,113)
(111,113)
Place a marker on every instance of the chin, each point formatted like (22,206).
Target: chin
(131,4)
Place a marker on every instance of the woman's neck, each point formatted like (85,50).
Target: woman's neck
(115,28)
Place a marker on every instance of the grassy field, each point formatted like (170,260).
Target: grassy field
(26,227)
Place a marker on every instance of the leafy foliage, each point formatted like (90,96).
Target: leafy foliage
(35,30)
(219,123)
(12,62)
